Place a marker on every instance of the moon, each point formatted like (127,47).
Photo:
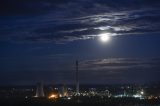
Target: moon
(105,37)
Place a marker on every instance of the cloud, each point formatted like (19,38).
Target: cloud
(109,70)
(120,64)
(121,70)
(70,20)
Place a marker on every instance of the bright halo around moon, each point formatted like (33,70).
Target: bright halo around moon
(105,37)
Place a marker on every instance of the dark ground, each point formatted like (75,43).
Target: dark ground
(85,101)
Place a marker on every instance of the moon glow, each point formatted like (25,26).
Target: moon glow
(104,37)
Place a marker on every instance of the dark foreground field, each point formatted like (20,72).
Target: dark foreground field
(85,101)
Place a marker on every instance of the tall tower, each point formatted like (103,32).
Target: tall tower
(39,90)
(77,78)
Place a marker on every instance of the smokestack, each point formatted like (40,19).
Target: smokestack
(39,91)
(77,78)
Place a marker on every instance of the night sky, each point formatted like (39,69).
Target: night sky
(40,40)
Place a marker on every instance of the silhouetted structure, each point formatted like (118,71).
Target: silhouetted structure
(63,92)
(39,91)
(77,79)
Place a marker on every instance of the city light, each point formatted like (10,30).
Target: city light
(142,92)
(53,96)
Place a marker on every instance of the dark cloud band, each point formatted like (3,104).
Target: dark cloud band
(69,20)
